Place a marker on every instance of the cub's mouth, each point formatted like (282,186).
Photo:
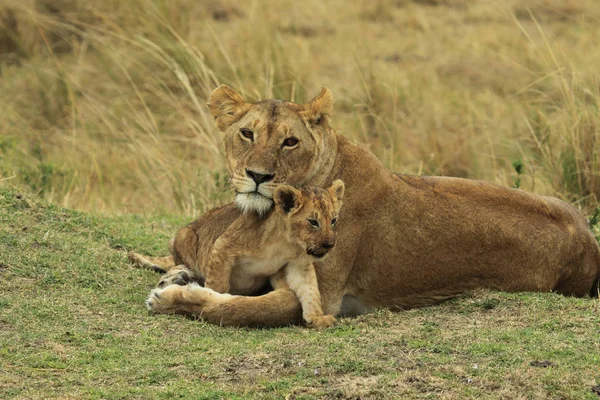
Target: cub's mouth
(317,252)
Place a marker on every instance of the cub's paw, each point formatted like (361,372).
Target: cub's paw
(320,322)
(179,277)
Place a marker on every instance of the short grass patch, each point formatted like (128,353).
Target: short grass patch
(73,325)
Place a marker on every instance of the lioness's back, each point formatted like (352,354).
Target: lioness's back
(505,228)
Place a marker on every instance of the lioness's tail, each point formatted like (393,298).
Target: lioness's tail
(156,264)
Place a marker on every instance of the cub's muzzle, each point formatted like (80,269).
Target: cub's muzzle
(320,251)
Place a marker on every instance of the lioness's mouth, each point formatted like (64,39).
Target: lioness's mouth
(253,202)
(255,193)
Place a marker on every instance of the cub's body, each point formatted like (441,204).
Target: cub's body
(195,242)
(243,251)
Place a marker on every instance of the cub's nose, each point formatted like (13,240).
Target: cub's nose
(259,178)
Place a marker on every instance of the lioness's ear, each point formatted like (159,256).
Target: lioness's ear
(227,106)
(337,189)
(318,110)
(287,198)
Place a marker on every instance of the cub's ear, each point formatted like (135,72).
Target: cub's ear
(226,106)
(337,189)
(318,110)
(287,198)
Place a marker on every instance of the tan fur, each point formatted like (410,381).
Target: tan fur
(260,247)
(281,245)
(403,241)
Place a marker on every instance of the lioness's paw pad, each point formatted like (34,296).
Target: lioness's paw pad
(321,322)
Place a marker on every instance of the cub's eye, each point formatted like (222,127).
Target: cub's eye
(247,133)
(333,222)
(314,223)
(290,142)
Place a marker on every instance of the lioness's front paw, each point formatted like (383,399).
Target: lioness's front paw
(156,302)
(165,300)
(175,277)
(320,322)
(189,299)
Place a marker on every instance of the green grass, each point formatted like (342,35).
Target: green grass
(73,325)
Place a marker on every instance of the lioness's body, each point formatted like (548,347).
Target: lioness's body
(403,241)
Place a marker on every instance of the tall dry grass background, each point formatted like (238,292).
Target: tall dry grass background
(102,102)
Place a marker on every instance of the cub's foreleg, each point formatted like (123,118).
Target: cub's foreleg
(302,279)
(220,263)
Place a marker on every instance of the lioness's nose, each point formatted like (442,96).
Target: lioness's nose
(259,178)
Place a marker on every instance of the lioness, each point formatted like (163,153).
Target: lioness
(404,241)
(281,245)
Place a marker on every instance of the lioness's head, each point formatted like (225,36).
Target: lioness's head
(312,215)
(271,142)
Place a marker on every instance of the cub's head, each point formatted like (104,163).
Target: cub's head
(312,214)
(272,142)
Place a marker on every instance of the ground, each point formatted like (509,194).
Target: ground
(104,100)
(73,325)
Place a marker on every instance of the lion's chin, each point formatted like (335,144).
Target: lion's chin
(253,203)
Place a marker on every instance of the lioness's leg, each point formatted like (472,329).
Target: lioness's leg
(277,308)
(278,280)
(156,264)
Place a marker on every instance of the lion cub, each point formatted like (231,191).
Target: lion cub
(283,245)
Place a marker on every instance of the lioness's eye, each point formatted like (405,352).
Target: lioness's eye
(313,222)
(290,142)
(333,222)
(247,133)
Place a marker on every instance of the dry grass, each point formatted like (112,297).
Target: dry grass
(103,101)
